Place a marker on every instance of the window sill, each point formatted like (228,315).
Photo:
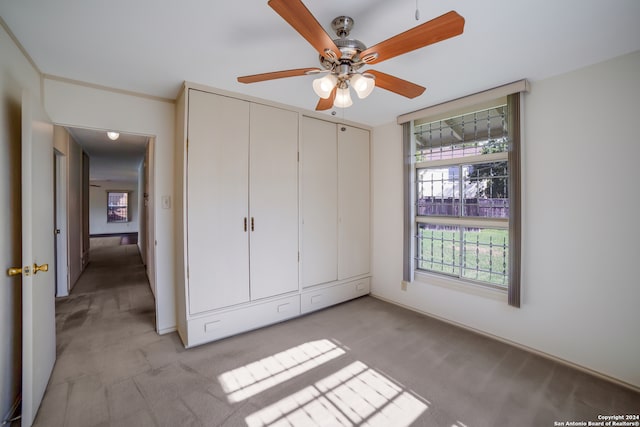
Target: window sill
(461,286)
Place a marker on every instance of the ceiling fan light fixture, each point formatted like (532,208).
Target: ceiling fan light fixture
(343,98)
(113,135)
(324,85)
(363,85)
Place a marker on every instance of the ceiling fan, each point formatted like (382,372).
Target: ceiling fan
(342,58)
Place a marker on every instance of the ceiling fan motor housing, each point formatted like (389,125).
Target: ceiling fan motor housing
(350,49)
(342,25)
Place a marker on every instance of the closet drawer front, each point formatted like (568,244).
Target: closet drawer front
(321,298)
(217,326)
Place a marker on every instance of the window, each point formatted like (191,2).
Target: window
(117,206)
(463,193)
(462,204)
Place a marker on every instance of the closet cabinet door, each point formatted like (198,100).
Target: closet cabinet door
(217,195)
(319,210)
(353,202)
(273,201)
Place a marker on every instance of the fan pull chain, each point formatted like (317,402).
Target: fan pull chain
(417,11)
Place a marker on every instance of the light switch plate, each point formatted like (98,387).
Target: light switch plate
(166,202)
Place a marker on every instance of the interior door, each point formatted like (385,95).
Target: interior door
(38,284)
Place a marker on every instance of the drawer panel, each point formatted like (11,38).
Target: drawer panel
(320,298)
(242,319)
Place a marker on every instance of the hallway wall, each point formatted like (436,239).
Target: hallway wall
(98,208)
(65,144)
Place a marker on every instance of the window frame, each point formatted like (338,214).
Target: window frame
(514,93)
(128,205)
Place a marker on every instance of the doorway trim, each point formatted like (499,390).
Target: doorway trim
(61,221)
(149,172)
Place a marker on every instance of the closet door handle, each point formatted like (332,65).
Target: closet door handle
(245,223)
(252,227)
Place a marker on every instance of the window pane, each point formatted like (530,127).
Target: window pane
(470,134)
(485,190)
(485,255)
(117,207)
(482,255)
(438,191)
(438,248)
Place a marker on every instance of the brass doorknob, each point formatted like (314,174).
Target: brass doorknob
(43,267)
(14,271)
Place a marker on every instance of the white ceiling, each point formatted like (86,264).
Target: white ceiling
(151,47)
(117,161)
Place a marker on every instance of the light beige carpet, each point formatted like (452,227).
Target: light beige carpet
(364,362)
(101,242)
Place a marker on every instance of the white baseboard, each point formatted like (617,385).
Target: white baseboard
(168,330)
(12,414)
(518,345)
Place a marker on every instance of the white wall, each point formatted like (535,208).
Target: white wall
(579,257)
(16,74)
(142,223)
(67,146)
(84,106)
(98,208)
(74,212)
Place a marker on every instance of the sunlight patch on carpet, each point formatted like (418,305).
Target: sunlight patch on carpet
(255,377)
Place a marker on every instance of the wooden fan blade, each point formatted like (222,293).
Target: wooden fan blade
(441,28)
(397,85)
(326,104)
(275,75)
(299,17)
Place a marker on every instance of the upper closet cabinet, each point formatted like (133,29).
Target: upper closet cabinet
(217,201)
(242,201)
(335,202)
(319,200)
(353,202)
(273,201)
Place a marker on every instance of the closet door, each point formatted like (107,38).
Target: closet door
(353,202)
(217,197)
(273,201)
(319,194)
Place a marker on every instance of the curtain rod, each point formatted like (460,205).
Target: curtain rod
(466,101)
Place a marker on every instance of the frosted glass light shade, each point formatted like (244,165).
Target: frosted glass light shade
(324,85)
(113,135)
(363,85)
(343,98)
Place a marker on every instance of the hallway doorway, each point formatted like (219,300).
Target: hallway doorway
(99,167)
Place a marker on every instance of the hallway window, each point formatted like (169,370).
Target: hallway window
(117,206)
